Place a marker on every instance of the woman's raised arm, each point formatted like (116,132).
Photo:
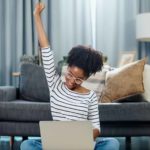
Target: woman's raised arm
(42,37)
(47,54)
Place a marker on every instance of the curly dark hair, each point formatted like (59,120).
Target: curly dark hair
(86,58)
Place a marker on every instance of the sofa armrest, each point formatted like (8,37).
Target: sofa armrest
(7,93)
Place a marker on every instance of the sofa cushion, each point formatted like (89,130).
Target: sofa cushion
(96,82)
(41,111)
(124,111)
(146,82)
(7,93)
(33,84)
(25,111)
(123,82)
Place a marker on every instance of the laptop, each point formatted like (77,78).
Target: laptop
(66,135)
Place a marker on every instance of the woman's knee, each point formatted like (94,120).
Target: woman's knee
(114,143)
(107,144)
(26,145)
(31,145)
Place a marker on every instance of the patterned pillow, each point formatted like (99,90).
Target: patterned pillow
(96,82)
(63,71)
(123,82)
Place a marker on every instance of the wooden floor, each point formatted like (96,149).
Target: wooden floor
(138,143)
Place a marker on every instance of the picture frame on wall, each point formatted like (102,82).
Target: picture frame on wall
(126,57)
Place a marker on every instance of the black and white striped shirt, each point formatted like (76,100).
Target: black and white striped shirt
(65,103)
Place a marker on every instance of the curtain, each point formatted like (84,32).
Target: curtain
(17,36)
(115,27)
(70,25)
(107,25)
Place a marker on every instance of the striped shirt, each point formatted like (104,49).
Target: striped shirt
(68,105)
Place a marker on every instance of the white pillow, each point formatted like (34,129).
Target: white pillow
(63,71)
(146,82)
(95,82)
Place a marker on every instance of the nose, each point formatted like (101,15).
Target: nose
(72,80)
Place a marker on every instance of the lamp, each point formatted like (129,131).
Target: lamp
(143,33)
(143,27)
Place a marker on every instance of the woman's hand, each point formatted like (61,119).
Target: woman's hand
(96,133)
(38,8)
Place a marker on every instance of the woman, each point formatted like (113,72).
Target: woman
(69,99)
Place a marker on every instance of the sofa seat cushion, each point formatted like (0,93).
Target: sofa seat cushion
(124,111)
(24,111)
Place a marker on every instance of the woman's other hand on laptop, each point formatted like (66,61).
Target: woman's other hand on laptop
(96,133)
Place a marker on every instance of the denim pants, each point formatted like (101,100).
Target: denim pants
(101,144)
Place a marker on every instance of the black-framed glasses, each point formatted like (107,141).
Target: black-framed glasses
(69,75)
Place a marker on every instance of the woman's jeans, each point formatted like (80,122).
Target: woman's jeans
(101,144)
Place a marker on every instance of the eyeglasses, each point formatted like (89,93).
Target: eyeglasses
(76,80)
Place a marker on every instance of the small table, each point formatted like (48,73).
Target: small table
(16,74)
(17,78)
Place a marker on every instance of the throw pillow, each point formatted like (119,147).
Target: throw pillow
(33,84)
(96,82)
(123,82)
(146,82)
(63,72)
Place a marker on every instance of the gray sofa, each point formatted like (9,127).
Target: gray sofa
(22,108)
